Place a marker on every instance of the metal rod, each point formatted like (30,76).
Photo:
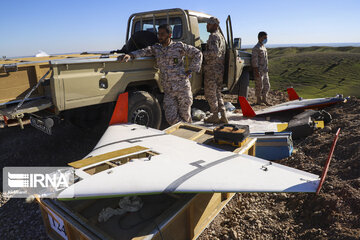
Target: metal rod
(154,23)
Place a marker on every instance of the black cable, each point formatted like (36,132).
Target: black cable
(158,228)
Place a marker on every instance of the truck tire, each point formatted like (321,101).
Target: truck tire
(144,109)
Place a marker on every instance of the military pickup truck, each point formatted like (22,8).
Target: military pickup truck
(84,88)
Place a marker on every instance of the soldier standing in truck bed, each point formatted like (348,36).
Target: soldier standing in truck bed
(214,63)
(175,81)
(259,62)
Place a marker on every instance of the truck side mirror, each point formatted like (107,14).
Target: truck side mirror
(237,43)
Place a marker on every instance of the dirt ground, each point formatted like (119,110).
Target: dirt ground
(333,214)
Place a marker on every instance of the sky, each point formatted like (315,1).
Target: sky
(85,25)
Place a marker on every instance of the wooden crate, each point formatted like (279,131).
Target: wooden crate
(206,136)
(186,216)
(163,216)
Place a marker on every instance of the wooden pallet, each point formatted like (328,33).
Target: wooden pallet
(183,216)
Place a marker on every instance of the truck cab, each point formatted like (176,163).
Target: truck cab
(190,27)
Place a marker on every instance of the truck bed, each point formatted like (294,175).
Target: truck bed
(18,75)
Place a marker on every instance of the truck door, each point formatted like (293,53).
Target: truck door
(234,66)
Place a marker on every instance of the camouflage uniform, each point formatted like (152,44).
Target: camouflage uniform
(214,61)
(259,59)
(177,88)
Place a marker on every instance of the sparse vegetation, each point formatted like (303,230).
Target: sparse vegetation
(316,71)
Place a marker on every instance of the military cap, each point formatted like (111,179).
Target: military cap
(213,20)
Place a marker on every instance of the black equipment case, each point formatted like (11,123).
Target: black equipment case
(231,133)
(302,127)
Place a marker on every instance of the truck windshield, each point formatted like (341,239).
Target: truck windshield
(204,35)
(147,25)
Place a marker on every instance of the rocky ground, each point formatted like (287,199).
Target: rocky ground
(30,147)
(333,214)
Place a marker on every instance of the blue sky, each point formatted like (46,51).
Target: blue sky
(80,25)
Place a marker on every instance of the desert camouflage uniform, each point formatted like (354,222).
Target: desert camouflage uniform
(214,61)
(178,97)
(259,59)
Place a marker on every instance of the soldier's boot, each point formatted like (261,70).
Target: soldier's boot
(213,118)
(223,118)
(265,101)
(258,100)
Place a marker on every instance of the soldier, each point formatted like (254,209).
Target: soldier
(214,61)
(259,63)
(175,81)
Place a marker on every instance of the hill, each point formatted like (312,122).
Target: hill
(316,71)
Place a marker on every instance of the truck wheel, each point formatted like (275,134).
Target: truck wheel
(144,109)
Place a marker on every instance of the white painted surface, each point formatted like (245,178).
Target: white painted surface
(58,224)
(298,104)
(255,124)
(260,124)
(175,169)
